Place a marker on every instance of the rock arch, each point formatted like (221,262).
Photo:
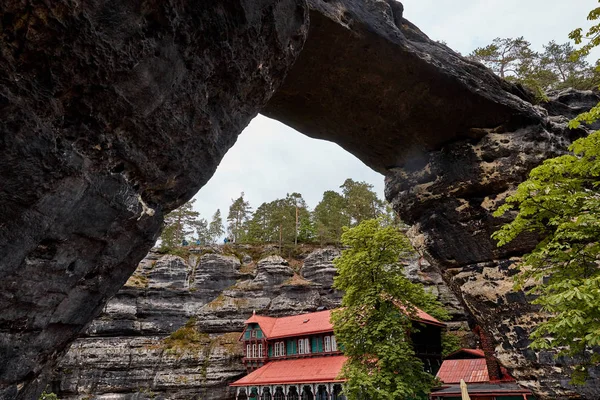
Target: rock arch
(113,113)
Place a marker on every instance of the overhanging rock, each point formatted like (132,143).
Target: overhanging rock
(113,113)
(453,141)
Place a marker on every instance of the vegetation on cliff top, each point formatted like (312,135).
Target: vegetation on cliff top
(286,221)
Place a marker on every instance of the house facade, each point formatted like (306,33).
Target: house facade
(298,357)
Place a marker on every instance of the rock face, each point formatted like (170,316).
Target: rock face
(453,141)
(111,114)
(131,351)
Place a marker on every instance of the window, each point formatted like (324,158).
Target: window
(279,349)
(253,351)
(282,348)
(327,343)
(303,346)
(333,344)
(253,332)
(248,351)
(260,350)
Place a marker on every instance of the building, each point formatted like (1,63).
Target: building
(297,357)
(472,366)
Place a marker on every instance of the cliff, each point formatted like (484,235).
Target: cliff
(114,113)
(172,332)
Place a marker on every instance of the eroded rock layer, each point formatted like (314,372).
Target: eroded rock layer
(111,114)
(172,332)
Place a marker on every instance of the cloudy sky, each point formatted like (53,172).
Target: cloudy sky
(270,159)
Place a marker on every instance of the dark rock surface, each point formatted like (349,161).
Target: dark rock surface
(111,114)
(450,200)
(416,96)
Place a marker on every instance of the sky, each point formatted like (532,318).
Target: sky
(270,159)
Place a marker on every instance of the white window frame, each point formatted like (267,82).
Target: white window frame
(254,350)
(248,351)
(253,333)
(327,343)
(260,350)
(307,346)
(301,346)
(333,343)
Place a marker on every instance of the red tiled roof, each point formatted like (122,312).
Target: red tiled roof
(311,323)
(300,370)
(473,353)
(472,370)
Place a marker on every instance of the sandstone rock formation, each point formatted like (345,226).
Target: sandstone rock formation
(111,114)
(452,139)
(128,352)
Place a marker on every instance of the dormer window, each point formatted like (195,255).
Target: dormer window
(253,333)
(303,346)
(330,343)
(279,349)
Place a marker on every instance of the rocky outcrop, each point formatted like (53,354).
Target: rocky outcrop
(450,201)
(111,114)
(172,332)
(180,341)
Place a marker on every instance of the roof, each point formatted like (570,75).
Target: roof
(310,323)
(299,370)
(481,388)
(466,353)
(471,370)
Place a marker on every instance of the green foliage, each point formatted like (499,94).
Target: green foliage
(361,202)
(505,57)
(561,202)
(215,228)
(451,342)
(48,395)
(179,225)
(557,67)
(239,213)
(330,217)
(375,319)
(592,35)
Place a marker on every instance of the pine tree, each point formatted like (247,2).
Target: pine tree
(361,202)
(179,225)
(239,213)
(215,228)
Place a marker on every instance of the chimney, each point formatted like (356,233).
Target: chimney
(488,349)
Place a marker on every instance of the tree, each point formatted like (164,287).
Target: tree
(568,71)
(238,216)
(361,201)
(215,228)
(202,232)
(375,319)
(179,225)
(330,217)
(506,57)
